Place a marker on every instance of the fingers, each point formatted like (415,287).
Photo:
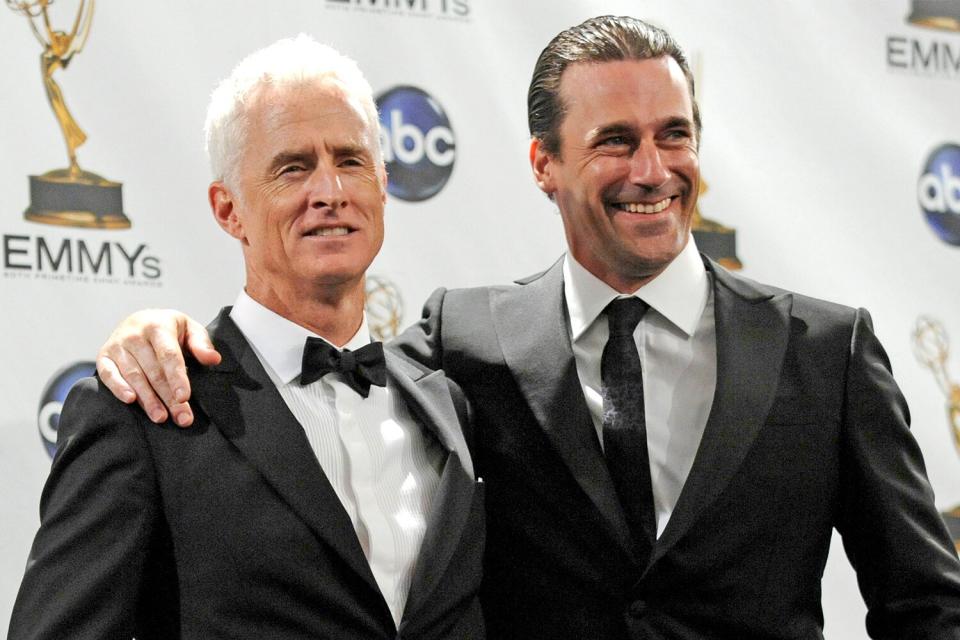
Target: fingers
(173,386)
(142,360)
(134,365)
(110,375)
(163,365)
(121,373)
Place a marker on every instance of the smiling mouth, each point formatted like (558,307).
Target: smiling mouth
(329,231)
(640,207)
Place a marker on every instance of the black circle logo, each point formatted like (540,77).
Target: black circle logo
(54,395)
(418,144)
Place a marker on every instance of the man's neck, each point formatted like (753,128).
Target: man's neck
(333,313)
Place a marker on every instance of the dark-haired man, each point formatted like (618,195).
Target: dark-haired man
(668,448)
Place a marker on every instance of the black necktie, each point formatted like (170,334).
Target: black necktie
(624,425)
(360,368)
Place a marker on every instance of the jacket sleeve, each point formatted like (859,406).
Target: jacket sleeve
(906,564)
(98,512)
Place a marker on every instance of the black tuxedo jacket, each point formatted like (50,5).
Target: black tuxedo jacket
(230,529)
(808,432)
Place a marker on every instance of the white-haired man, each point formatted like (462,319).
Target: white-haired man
(232,529)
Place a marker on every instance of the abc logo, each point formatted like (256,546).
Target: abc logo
(939,192)
(417,142)
(54,394)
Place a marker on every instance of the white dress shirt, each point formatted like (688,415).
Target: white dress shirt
(382,465)
(677,344)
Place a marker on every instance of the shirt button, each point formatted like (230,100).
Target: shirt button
(638,608)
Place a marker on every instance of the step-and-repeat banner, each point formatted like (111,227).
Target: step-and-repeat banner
(831,151)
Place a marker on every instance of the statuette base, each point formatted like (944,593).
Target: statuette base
(76,198)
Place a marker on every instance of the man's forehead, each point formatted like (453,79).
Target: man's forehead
(658,71)
(610,87)
(325,107)
(308,98)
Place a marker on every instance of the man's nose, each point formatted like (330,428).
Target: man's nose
(326,189)
(647,167)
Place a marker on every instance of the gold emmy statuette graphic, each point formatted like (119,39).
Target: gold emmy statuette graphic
(714,239)
(936,14)
(931,347)
(384,307)
(69,197)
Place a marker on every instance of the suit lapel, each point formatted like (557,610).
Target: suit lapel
(532,328)
(752,327)
(241,400)
(428,399)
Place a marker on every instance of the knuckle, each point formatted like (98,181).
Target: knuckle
(152,371)
(132,374)
(133,342)
(166,352)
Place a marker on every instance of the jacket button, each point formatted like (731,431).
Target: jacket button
(638,608)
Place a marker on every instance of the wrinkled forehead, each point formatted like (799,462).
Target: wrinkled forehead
(301,115)
(643,89)
(652,75)
(316,95)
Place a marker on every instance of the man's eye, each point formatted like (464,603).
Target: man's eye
(351,162)
(678,134)
(615,141)
(292,168)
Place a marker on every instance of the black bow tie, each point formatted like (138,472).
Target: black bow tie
(360,368)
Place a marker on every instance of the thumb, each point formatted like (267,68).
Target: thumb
(197,341)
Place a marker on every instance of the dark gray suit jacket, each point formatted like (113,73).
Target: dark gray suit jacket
(807,433)
(230,529)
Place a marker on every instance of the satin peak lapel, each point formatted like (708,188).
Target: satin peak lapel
(240,399)
(531,325)
(753,328)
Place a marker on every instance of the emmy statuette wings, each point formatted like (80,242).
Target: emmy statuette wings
(932,347)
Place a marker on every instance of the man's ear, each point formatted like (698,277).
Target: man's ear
(224,209)
(543,164)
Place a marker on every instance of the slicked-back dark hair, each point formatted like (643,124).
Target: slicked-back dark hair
(600,39)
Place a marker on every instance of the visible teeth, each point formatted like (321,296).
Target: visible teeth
(331,231)
(638,207)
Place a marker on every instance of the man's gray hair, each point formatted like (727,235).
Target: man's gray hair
(286,63)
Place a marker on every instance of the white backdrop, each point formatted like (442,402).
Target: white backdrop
(813,144)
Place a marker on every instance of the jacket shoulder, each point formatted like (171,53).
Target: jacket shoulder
(804,307)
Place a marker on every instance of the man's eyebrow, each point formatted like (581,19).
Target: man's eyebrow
(614,128)
(626,129)
(677,121)
(287,157)
(351,149)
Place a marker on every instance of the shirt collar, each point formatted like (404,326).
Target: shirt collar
(278,341)
(679,293)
